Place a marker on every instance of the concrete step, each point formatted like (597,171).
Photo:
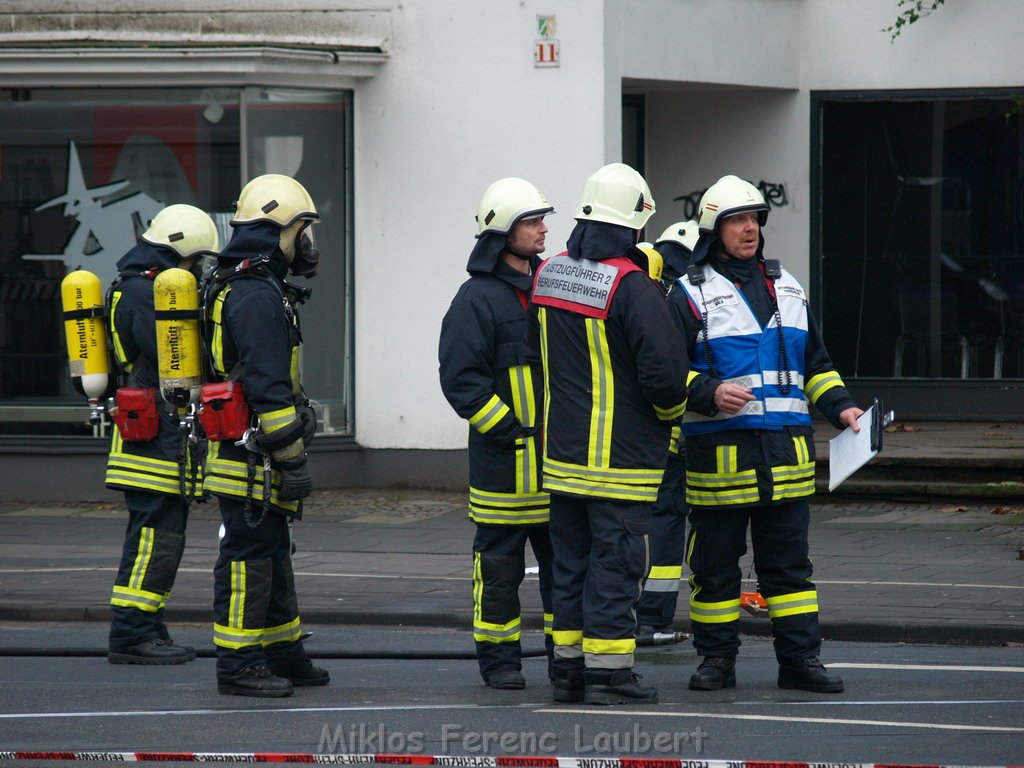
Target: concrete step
(930,481)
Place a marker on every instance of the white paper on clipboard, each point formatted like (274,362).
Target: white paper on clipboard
(849,451)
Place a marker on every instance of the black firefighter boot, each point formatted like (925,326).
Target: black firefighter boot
(809,675)
(567,685)
(290,661)
(255,680)
(714,672)
(616,686)
(161,630)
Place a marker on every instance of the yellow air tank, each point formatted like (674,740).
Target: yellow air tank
(655,263)
(178,351)
(85,332)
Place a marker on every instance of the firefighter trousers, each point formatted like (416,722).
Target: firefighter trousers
(499,562)
(778,533)
(255,608)
(657,606)
(154,541)
(602,553)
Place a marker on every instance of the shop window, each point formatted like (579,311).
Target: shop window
(83,171)
(921,246)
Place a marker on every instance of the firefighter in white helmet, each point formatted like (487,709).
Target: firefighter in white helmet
(146,462)
(657,607)
(749,460)
(676,245)
(615,369)
(253,338)
(487,380)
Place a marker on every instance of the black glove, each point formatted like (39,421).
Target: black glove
(307,416)
(296,482)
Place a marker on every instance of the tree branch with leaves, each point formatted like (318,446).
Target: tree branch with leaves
(909,12)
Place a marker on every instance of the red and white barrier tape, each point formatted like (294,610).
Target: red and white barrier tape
(454,761)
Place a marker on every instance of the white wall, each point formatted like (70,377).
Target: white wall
(458,105)
(962,44)
(695,138)
(728,85)
(729,42)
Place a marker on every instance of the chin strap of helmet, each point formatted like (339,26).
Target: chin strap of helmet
(523,256)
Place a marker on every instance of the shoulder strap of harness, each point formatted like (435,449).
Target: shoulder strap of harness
(123,371)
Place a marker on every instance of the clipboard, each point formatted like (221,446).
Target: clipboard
(849,451)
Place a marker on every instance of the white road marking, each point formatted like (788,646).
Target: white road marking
(925,667)
(792,719)
(205,712)
(886,703)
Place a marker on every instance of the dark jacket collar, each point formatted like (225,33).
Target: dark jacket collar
(146,256)
(249,241)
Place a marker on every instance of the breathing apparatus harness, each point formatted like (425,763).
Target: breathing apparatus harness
(226,396)
(135,409)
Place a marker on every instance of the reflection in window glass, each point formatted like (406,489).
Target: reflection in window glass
(922,237)
(83,171)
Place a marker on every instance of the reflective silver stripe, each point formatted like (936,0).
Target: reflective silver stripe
(240,638)
(569,651)
(498,633)
(286,633)
(489,415)
(508,500)
(512,518)
(753,381)
(779,378)
(595,333)
(134,597)
(751,408)
(785,405)
(698,610)
(609,660)
(661,585)
(596,488)
(624,476)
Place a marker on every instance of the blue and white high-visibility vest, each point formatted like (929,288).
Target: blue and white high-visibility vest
(747,355)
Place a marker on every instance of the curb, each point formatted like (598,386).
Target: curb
(917,633)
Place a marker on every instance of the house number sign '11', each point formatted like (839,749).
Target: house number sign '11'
(545,49)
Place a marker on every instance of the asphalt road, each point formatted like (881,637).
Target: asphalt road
(924,704)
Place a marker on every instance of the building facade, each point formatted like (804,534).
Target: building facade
(893,167)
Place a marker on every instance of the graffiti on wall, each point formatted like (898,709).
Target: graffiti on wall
(774,195)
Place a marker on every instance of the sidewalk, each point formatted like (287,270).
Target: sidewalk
(891,564)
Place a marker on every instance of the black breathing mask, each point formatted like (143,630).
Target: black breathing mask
(306,261)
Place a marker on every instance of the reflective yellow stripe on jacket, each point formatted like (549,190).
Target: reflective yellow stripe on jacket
(227,477)
(508,508)
(604,482)
(147,473)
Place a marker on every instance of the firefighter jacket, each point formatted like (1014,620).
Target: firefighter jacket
(487,380)
(163,464)
(615,369)
(252,334)
(748,329)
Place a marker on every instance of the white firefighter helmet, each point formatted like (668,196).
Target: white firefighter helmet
(683,232)
(616,194)
(184,229)
(506,202)
(728,196)
(274,198)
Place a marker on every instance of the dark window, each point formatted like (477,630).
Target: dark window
(920,245)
